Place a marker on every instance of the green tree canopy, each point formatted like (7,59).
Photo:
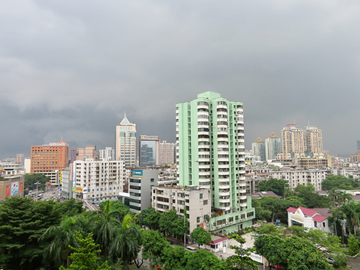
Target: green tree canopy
(291,253)
(167,220)
(176,258)
(85,256)
(31,179)
(200,236)
(202,260)
(149,217)
(22,222)
(154,246)
(118,206)
(340,182)
(275,185)
(240,261)
(70,207)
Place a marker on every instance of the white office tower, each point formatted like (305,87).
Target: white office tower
(98,181)
(126,142)
(107,154)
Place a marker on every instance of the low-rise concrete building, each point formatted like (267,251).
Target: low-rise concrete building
(316,218)
(11,186)
(196,201)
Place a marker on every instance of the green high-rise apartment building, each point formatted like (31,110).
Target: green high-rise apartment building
(210,154)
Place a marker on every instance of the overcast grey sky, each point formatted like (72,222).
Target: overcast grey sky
(72,68)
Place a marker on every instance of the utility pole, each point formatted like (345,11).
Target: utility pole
(37,189)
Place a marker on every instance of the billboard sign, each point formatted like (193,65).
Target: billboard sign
(14,188)
(21,187)
(2,171)
(137,173)
(7,191)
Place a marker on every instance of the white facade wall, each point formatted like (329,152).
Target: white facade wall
(98,180)
(301,177)
(307,221)
(199,206)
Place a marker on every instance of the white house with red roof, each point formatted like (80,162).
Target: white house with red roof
(309,218)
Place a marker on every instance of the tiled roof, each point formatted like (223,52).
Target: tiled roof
(291,209)
(318,218)
(323,211)
(307,211)
(219,240)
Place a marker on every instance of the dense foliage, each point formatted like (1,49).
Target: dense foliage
(22,222)
(200,236)
(291,253)
(340,182)
(31,179)
(277,186)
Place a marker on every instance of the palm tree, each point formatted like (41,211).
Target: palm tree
(351,211)
(343,197)
(106,227)
(333,195)
(62,236)
(126,243)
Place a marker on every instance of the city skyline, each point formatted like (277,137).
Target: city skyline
(72,74)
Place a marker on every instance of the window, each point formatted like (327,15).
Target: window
(152,180)
(205,202)
(201,196)
(324,224)
(198,219)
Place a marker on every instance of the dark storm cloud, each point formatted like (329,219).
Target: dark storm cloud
(72,68)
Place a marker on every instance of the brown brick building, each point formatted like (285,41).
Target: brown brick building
(47,158)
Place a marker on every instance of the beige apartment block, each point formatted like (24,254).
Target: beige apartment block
(87,152)
(293,139)
(196,201)
(313,140)
(167,153)
(304,177)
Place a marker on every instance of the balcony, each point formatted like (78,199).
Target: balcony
(221,106)
(203,106)
(224,200)
(205,173)
(203,113)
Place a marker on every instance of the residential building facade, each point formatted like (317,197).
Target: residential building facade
(196,201)
(297,177)
(258,149)
(313,140)
(292,139)
(210,154)
(107,154)
(272,147)
(87,152)
(96,180)
(167,153)
(125,140)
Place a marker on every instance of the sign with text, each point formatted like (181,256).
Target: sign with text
(137,173)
